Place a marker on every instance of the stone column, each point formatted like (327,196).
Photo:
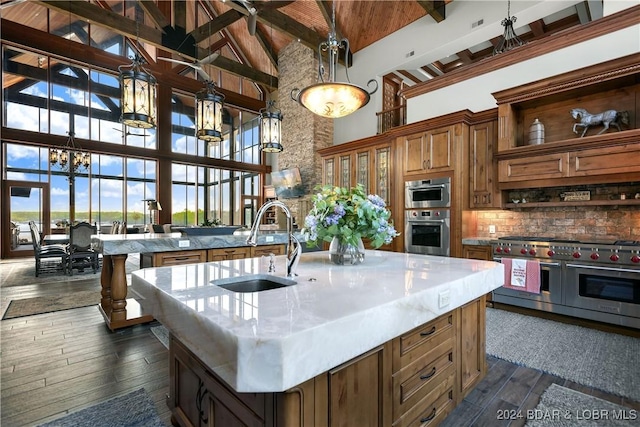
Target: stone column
(302,131)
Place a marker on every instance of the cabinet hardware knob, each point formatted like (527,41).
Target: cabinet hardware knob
(425,334)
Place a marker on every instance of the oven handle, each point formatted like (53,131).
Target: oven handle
(426,221)
(426,187)
(594,267)
(542,264)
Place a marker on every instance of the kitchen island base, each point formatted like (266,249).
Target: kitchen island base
(416,379)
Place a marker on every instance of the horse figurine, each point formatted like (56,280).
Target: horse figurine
(606,118)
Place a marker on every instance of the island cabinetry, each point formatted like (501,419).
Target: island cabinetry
(482,252)
(223,254)
(424,373)
(162,259)
(415,379)
(266,250)
(429,151)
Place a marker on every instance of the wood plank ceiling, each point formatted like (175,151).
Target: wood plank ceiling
(192,30)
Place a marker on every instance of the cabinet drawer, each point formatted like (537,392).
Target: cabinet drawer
(223,254)
(534,167)
(178,258)
(420,341)
(413,383)
(603,161)
(265,250)
(433,408)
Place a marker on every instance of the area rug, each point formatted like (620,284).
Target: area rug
(51,303)
(603,360)
(563,407)
(135,409)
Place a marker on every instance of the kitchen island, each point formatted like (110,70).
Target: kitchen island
(397,340)
(120,311)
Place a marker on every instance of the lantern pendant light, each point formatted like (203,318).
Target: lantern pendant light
(138,95)
(271,129)
(209,105)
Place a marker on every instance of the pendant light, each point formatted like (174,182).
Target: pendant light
(271,129)
(209,105)
(70,158)
(510,39)
(333,99)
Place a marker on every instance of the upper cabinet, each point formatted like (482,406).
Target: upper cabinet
(429,151)
(483,182)
(566,157)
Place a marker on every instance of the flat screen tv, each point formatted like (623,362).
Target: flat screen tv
(287,183)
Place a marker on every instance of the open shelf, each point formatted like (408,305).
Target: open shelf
(627,202)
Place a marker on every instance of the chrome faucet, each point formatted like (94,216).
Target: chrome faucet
(293,245)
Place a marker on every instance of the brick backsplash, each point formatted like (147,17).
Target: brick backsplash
(572,222)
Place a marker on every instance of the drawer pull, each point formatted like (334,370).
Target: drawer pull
(429,375)
(181,258)
(430,417)
(426,334)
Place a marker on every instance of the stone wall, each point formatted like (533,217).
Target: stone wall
(303,133)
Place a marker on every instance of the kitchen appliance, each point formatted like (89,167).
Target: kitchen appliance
(592,280)
(427,232)
(428,193)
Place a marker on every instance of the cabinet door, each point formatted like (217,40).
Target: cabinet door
(477,252)
(482,167)
(471,335)
(604,161)
(265,250)
(179,258)
(439,156)
(535,167)
(363,176)
(382,174)
(329,171)
(414,153)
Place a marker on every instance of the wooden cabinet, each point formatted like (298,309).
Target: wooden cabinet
(163,259)
(482,252)
(265,250)
(483,167)
(222,254)
(416,379)
(567,158)
(429,151)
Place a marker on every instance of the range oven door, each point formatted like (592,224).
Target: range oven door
(550,287)
(428,193)
(601,288)
(427,232)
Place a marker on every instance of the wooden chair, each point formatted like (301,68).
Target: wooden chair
(81,254)
(115,227)
(47,252)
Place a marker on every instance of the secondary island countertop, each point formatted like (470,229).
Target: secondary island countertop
(272,340)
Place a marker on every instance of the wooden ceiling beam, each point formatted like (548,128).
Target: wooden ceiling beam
(153,12)
(267,46)
(217,24)
(410,76)
(435,8)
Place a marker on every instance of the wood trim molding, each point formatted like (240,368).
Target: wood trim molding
(560,40)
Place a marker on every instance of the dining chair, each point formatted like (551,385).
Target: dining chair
(41,252)
(115,227)
(81,253)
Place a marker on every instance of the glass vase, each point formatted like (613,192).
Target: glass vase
(344,253)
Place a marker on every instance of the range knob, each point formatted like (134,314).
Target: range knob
(498,249)
(550,252)
(576,255)
(532,252)
(594,256)
(507,250)
(523,251)
(614,257)
(635,259)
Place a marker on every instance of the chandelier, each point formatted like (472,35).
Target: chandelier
(510,39)
(271,129)
(333,99)
(70,158)
(138,95)
(209,113)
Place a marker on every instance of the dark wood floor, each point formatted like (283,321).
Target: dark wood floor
(61,362)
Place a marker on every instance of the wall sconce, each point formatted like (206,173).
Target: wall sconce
(138,99)
(271,129)
(209,105)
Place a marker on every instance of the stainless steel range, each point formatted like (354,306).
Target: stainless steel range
(592,280)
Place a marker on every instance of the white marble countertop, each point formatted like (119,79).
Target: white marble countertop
(273,340)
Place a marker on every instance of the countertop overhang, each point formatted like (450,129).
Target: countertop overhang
(273,340)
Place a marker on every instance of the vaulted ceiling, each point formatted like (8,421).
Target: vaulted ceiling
(249,34)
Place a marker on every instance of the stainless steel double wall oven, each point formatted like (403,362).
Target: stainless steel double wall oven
(427,216)
(592,280)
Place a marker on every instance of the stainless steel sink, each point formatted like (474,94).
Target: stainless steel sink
(253,283)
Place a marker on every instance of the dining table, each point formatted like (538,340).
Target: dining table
(53,239)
